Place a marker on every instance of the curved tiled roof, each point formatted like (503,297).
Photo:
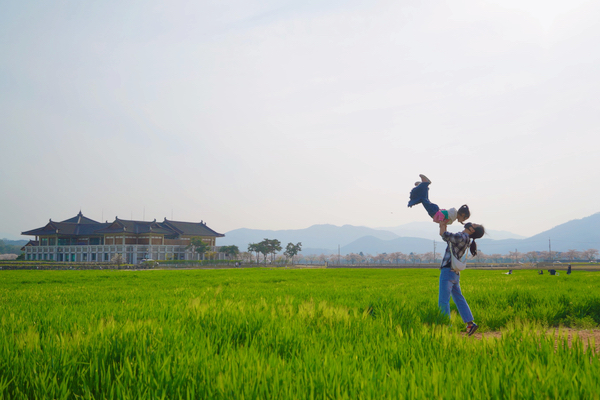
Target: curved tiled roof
(76,226)
(191,228)
(135,227)
(83,226)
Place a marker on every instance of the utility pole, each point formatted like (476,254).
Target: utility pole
(338,254)
(434,251)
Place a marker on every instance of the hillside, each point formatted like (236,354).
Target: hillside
(580,234)
(427,230)
(317,236)
(11,246)
(373,245)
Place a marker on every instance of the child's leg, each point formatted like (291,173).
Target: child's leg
(419,193)
(431,208)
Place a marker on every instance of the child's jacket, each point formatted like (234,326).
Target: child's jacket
(446,215)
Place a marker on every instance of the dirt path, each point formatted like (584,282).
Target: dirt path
(583,335)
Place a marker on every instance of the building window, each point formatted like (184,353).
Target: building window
(93,256)
(73,257)
(84,257)
(105,256)
(51,257)
(52,241)
(45,257)
(44,241)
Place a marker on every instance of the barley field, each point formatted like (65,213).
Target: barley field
(293,334)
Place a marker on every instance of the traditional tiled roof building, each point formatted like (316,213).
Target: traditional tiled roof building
(83,239)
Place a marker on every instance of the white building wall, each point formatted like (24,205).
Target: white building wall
(132,254)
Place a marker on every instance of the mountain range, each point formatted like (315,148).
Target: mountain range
(419,237)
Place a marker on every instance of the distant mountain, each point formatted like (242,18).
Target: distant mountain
(407,245)
(11,246)
(579,234)
(428,230)
(316,236)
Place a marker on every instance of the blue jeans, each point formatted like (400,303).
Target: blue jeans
(450,285)
(420,194)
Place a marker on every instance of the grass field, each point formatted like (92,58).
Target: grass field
(292,333)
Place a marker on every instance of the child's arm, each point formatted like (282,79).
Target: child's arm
(447,236)
(443,227)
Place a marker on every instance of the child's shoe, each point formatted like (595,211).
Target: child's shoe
(424,178)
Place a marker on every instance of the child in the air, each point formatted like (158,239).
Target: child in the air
(420,194)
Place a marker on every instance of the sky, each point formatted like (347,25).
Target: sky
(284,114)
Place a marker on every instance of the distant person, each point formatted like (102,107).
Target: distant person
(569,270)
(457,243)
(420,194)
(541,272)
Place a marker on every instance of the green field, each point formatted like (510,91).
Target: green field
(292,334)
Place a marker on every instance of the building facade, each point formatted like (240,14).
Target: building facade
(81,239)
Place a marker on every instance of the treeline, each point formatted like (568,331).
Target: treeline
(270,247)
(7,248)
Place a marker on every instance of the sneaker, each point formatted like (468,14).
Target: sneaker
(417,183)
(424,178)
(472,328)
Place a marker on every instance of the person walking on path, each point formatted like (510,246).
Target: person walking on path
(457,243)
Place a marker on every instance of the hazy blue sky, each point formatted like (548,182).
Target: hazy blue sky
(284,114)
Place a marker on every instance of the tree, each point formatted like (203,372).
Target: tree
(590,254)
(429,257)
(480,256)
(246,256)
(572,254)
(379,258)
(230,251)
(255,248)
(264,249)
(269,246)
(199,246)
(532,256)
(398,256)
(117,259)
(353,257)
(414,257)
(516,255)
(291,250)
(274,246)
(7,248)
